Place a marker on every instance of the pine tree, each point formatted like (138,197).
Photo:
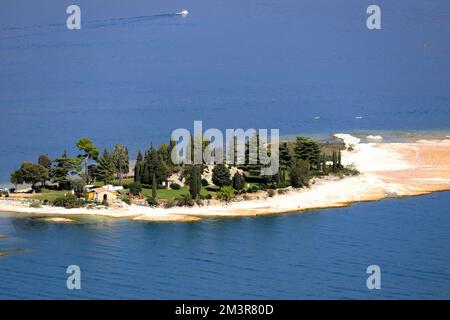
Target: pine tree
(121,161)
(105,169)
(153,165)
(221,176)
(308,150)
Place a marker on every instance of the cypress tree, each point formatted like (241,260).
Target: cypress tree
(154,186)
(334,161)
(238,182)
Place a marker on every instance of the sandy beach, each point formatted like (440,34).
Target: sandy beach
(386,170)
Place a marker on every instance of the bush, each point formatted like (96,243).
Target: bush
(207,196)
(212,188)
(253,188)
(282,191)
(270,192)
(205,183)
(127,201)
(68,202)
(185,201)
(226,194)
(199,202)
(35,204)
(152,202)
(105,203)
(135,188)
(175,186)
(170,203)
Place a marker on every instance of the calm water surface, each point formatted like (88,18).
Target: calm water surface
(135,71)
(319,254)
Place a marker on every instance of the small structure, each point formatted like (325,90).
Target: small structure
(101,194)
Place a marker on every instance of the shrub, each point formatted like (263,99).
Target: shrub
(152,202)
(135,188)
(205,183)
(282,191)
(350,171)
(253,188)
(105,203)
(270,192)
(127,201)
(68,202)
(170,203)
(226,194)
(35,204)
(175,186)
(199,202)
(185,201)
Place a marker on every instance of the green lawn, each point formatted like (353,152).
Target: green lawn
(50,195)
(165,194)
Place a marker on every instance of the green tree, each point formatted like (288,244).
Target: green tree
(221,176)
(308,150)
(32,173)
(153,164)
(194,180)
(334,159)
(238,182)
(299,173)
(121,161)
(45,161)
(64,167)
(139,167)
(90,152)
(106,168)
(164,153)
(154,186)
(17,178)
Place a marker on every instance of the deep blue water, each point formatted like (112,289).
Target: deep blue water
(135,71)
(318,254)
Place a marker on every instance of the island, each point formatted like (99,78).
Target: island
(312,174)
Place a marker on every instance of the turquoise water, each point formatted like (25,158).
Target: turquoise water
(318,254)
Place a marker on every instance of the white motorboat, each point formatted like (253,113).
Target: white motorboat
(183,12)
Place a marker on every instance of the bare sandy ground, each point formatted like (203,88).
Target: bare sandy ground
(387,170)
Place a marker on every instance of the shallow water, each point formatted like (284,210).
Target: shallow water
(318,254)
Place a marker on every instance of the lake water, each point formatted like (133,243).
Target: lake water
(136,71)
(319,254)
